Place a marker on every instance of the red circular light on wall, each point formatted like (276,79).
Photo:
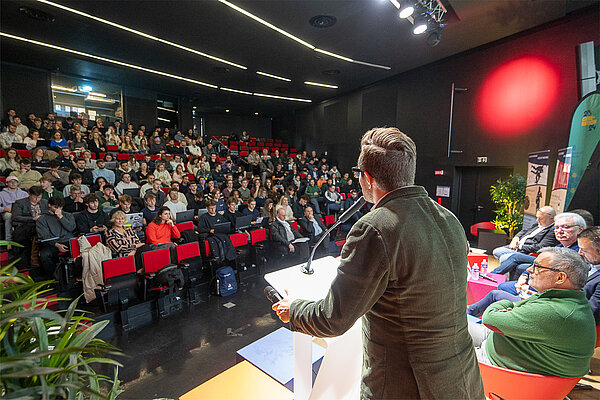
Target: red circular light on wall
(517,96)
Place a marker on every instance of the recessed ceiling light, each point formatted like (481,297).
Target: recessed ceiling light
(163,119)
(255,113)
(272,96)
(281,78)
(66,89)
(236,91)
(194,107)
(146,35)
(167,109)
(227,110)
(325,85)
(322,21)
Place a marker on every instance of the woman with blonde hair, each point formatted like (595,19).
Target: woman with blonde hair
(128,146)
(285,204)
(122,239)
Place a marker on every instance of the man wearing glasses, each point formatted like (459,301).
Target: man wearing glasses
(550,333)
(402,270)
(566,228)
(589,248)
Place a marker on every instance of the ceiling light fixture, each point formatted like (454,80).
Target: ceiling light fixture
(281,78)
(395,3)
(108,60)
(236,91)
(163,119)
(136,32)
(101,99)
(406,9)
(297,39)
(97,94)
(273,96)
(227,110)
(66,89)
(320,84)
(168,109)
(86,88)
(420,25)
(255,113)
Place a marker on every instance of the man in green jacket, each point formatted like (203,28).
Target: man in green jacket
(403,270)
(552,332)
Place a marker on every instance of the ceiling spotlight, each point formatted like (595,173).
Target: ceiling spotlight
(86,88)
(255,113)
(227,110)
(420,25)
(406,10)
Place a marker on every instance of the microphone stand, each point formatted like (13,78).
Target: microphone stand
(307,269)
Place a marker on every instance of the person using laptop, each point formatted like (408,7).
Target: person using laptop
(92,219)
(251,210)
(174,204)
(125,183)
(231,213)
(207,221)
(125,205)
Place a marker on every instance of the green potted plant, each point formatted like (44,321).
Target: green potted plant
(509,196)
(47,354)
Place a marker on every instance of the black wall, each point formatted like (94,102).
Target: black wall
(418,102)
(221,124)
(25,89)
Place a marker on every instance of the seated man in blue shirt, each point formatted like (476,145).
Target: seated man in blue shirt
(313,228)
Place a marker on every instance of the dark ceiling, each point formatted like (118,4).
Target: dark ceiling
(366,30)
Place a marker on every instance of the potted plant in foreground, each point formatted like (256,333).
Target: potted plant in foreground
(47,354)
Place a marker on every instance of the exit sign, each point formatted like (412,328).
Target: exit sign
(438,172)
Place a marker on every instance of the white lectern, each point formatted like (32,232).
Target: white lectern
(340,372)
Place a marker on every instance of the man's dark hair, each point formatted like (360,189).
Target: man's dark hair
(305,197)
(211,203)
(54,163)
(593,234)
(25,161)
(56,201)
(35,190)
(75,175)
(90,198)
(108,186)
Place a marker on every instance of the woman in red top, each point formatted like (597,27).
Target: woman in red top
(162,228)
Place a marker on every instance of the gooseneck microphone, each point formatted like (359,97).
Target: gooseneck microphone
(272,295)
(307,269)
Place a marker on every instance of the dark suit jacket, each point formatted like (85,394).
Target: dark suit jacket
(544,238)
(592,292)
(21,211)
(308,229)
(279,234)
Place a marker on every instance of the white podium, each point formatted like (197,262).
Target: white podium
(339,376)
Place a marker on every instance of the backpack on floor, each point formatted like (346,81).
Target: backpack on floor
(226,283)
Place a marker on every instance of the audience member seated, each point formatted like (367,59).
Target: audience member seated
(76,180)
(27,176)
(9,162)
(299,206)
(180,195)
(107,196)
(126,205)
(536,335)
(286,237)
(251,210)
(54,229)
(589,248)
(101,171)
(49,191)
(208,220)
(10,136)
(74,203)
(150,210)
(284,204)
(125,183)
(566,228)
(352,198)
(92,219)
(314,193)
(87,178)
(334,200)
(156,190)
(174,204)
(59,178)
(162,229)
(533,239)
(162,174)
(231,213)
(125,168)
(313,228)
(39,162)
(8,196)
(121,239)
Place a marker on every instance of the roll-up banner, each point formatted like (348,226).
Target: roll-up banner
(561,180)
(537,182)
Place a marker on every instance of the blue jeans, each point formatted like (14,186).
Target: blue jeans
(502,253)
(514,263)
(477,309)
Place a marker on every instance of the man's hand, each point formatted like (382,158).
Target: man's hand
(212,231)
(292,249)
(514,243)
(282,308)
(36,217)
(58,213)
(6,209)
(61,247)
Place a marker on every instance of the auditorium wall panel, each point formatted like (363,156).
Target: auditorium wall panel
(418,102)
(218,125)
(25,89)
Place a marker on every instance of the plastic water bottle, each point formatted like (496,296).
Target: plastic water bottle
(475,272)
(484,267)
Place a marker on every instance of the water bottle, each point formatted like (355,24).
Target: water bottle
(475,272)
(484,267)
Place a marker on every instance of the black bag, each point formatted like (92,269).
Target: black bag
(23,233)
(189,236)
(170,276)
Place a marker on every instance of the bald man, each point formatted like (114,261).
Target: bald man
(533,239)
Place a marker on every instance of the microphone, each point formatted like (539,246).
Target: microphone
(272,295)
(307,269)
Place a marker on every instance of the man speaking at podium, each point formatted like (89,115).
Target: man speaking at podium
(403,270)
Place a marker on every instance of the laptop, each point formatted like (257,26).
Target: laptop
(133,192)
(20,146)
(135,220)
(223,227)
(43,143)
(202,211)
(110,165)
(243,222)
(184,216)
